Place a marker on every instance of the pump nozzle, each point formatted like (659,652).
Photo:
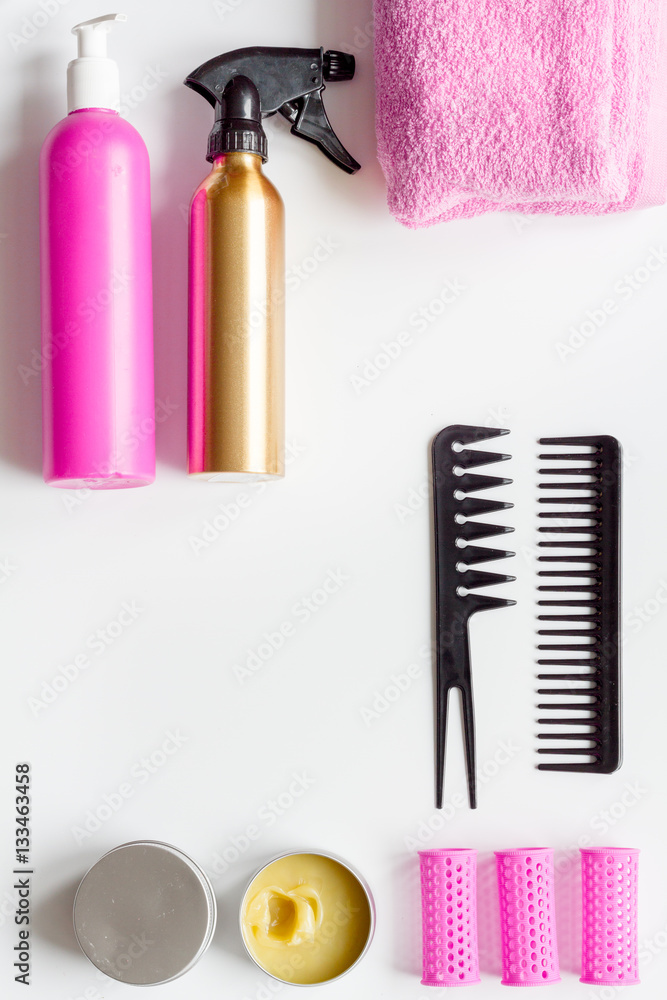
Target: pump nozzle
(92,78)
(289,81)
(92,35)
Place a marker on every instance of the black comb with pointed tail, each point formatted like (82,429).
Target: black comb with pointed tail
(580,557)
(456,578)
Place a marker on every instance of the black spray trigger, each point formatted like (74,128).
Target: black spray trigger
(309,121)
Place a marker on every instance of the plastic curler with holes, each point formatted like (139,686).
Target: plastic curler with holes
(527,916)
(609,950)
(449,917)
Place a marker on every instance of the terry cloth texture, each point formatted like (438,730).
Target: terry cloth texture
(555,106)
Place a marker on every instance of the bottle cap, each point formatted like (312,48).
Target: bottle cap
(238,124)
(92,78)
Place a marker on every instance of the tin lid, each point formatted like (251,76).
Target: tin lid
(144,913)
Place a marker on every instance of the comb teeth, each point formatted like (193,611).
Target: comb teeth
(470,506)
(473,459)
(470,530)
(584,660)
(454,510)
(469,434)
(471,555)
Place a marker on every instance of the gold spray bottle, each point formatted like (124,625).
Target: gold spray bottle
(236,379)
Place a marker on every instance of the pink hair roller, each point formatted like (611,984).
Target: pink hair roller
(449,917)
(527,916)
(609,950)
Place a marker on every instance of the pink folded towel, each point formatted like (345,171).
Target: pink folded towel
(553,106)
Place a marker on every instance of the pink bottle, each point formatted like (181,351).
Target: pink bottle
(97,308)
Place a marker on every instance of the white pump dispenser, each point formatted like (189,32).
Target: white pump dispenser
(92,78)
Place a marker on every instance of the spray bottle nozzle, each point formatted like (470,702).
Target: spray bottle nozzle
(288,81)
(338,66)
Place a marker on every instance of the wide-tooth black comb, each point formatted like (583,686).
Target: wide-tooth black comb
(455,537)
(582,535)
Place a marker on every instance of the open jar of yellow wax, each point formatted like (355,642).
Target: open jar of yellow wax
(307,918)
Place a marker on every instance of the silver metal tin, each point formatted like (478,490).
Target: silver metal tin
(145,913)
(367,892)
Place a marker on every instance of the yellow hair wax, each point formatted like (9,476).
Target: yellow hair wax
(306,918)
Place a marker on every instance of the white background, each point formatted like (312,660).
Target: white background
(492,358)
